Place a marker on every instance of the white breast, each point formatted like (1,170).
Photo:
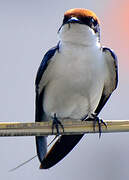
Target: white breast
(75,82)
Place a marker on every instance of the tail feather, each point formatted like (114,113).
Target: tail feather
(59,150)
(41,144)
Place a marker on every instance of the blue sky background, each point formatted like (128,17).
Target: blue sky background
(27,30)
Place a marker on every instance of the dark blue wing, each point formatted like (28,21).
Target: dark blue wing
(44,63)
(105,96)
(113,55)
(41,143)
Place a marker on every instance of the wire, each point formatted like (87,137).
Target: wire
(22,164)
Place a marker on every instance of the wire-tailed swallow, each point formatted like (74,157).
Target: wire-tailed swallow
(75,79)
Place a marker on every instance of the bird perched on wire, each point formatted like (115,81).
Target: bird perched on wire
(75,79)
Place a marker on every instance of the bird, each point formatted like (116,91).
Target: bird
(74,81)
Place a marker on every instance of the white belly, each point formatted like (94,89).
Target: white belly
(75,85)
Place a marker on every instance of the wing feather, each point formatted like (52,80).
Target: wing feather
(111,81)
(41,142)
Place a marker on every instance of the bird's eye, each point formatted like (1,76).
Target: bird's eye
(93,21)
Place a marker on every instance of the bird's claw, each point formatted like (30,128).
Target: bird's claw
(100,122)
(95,120)
(55,124)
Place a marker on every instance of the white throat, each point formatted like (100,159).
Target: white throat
(78,34)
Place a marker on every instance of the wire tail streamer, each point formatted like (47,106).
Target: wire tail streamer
(27,161)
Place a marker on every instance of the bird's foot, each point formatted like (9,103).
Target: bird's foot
(93,117)
(55,124)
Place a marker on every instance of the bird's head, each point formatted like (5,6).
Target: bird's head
(80,26)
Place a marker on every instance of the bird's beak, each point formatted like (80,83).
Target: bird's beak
(71,21)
